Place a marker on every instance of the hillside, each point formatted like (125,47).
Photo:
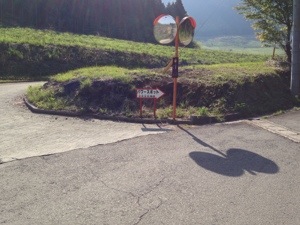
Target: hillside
(35,54)
(100,75)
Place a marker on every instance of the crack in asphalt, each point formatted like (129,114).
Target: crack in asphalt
(148,211)
(139,197)
(117,190)
(152,189)
(151,208)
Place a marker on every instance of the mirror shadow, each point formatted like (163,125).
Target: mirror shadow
(234,163)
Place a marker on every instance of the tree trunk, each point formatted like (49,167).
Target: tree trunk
(288,47)
(288,51)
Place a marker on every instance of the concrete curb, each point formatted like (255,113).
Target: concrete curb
(50,112)
(194,120)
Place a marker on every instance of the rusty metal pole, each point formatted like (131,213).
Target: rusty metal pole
(295,75)
(175,78)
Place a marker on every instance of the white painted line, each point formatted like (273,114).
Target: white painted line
(276,129)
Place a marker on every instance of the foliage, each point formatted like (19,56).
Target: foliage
(45,98)
(176,8)
(202,111)
(272,21)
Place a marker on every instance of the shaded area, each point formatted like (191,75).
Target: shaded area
(38,62)
(234,163)
(158,128)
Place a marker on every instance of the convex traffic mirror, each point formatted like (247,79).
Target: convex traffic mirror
(186,30)
(165,29)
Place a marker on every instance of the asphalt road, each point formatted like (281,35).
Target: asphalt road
(236,173)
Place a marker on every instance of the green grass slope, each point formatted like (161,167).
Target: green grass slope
(36,54)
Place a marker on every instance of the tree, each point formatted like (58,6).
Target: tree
(123,19)
(272,21)
(176,9)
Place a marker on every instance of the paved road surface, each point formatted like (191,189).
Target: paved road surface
(231,174)
(24,134)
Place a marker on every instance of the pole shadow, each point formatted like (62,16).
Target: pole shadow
(234,163)
(155,129)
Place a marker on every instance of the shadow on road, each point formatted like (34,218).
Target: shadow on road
(234,163)
(158,128)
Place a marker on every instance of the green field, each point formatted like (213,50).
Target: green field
(266,51)
(239,44)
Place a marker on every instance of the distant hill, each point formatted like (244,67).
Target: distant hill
(217,18)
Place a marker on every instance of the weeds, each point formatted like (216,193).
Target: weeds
(202,111)
(184,112)
(45,98)
(86,83)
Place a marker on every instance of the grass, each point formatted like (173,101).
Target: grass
(188,55)
(267,51)
(237,72)
(102,73)
(187,112)
(45,98)
(219,73)
(240,44)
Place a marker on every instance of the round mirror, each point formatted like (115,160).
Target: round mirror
(186,30)
(165,29)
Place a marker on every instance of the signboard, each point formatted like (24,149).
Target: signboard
(175,67)
(149,93)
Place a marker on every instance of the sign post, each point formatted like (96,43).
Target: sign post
(175,69)
(148,93)
(295,72)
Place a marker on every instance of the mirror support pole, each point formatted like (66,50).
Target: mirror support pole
(175,78)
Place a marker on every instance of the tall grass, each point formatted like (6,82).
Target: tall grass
(45,98)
